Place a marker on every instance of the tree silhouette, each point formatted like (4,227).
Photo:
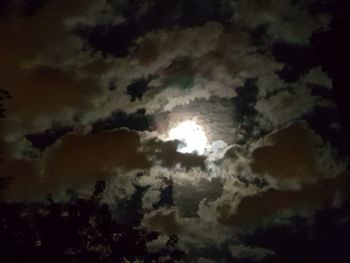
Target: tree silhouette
(4,94)
(81,230)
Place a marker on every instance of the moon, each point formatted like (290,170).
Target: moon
(191,135)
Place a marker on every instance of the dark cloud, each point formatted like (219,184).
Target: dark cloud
(288,20)
(321,237)
(331,48)
(138,121)
(10,8)
(187,197)
(129,211)
(77,159)
(46,138)
(74,160)
(167,154)
(136,89)
(245,112)
(324,6)
(298,59)
(266,205)
(252,254)
(292,155)
(164,221)
(143,16)
(110,40)
(45,90)
(327,123)
(166,197)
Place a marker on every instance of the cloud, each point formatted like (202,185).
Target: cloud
(187,197)
(193,233)
(162,46)
(255,254)
(285,168)
(215,115)
(150,198)
(74,160)
(205,260)
(216,67)
(317,77)
(273,203)
(166,154)
(168,74)
(81,158)
(284,20)
(164,221)
(285,107)
(42,69)
(185,64)
(46,91)
(295,154)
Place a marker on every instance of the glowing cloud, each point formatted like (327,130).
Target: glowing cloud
(191,135)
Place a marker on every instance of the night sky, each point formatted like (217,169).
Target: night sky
(193,131)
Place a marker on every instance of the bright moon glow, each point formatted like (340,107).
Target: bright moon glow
(191,135)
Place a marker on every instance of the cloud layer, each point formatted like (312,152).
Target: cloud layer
(108,79)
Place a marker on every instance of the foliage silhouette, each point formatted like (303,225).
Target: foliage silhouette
(81,230)
(4,94)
